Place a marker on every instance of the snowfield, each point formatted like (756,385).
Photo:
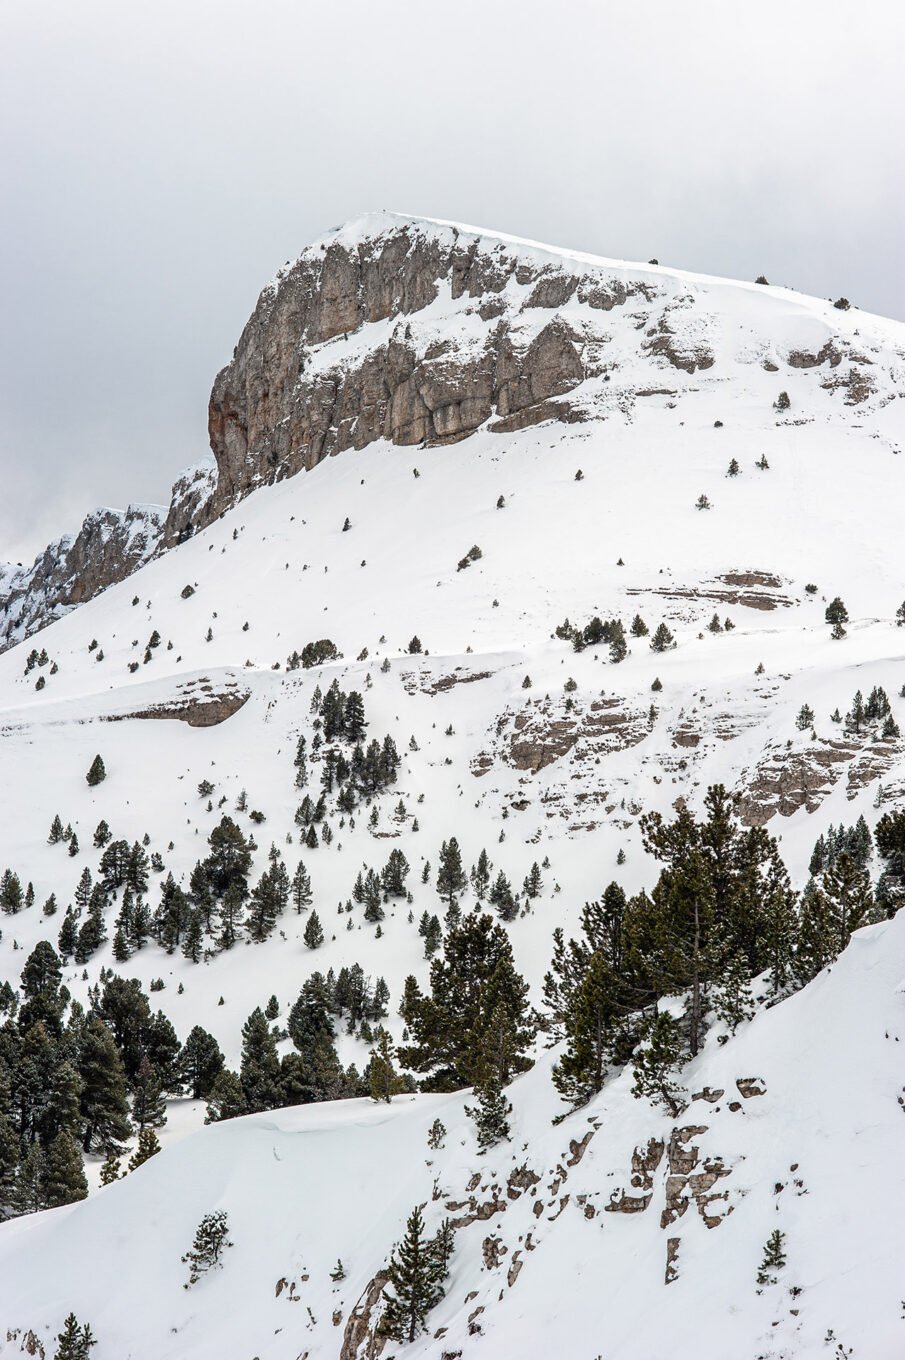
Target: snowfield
(554,1261)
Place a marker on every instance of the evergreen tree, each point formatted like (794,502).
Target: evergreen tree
(354,718)
(415,1276)
(149,1109)
(97,774)
(848,892)
(618,644)
(28,1192)
(103,1103)
(491,1115)
(64,1174)
(774,1259)
(655,1063)
(210,1241)
(662,639)
(67,939)
(501,898)
(592,1012)
(301,889)
(264,908)
(201,1063)
(56,830)
(148,1146)
(480,876)
(316,1073)
(314,932)
(74,1342)
(260,1068)
(394,874)
(110,1169)
(475,975)
(226,1100)
(639,627)
(836,613)
(433,936)
(193,943)
(230,914)
(229,860)
(534,881)
(383,1079)
(450,874)
(733,998)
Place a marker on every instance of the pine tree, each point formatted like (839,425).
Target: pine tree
(314,932)
(56,830)
(733,999)
(654,1064)
(662,639)
(415,1276)
(383,1079)
(534,881)
(210,1242)
(501,897)
(450,874)
(433,936)
(64,1174)
(110,1169)
(103,1104)
(149,1109)
(226,1099)
(491,1115)
(618,644)
(97,774)
(28,1192)
(301,889)
(200,1063)
(639,627)
(773,1261)
(394,874)
(579,1074)
(74,1342)
(229,917)
(480,876)
(435,1135)
(836,613)
(148,1146)
(260,1068)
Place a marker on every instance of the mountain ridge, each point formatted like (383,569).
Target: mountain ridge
(505,373)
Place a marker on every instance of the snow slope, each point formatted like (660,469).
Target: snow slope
(305,1186)
(817,1156)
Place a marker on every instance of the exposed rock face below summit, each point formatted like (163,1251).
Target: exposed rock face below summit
(419,333)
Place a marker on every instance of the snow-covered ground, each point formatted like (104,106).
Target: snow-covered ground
(307,1185)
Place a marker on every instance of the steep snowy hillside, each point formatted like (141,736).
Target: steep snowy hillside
(588,442)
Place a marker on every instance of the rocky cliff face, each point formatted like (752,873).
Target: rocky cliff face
(419,333)
(109,546)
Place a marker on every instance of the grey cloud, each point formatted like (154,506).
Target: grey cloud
(161,161)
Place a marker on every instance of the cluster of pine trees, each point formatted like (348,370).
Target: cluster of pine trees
(79,1079)
(312,1072)
(612,633)
(721,913)
(474,1027)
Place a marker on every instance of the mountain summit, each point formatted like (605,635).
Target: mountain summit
(419,332)
(451,858)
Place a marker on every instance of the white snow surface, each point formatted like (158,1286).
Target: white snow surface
(305,1186)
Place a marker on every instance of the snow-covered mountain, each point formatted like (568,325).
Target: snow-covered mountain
(614,440)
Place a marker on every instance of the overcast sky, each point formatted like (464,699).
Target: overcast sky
(159,161)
